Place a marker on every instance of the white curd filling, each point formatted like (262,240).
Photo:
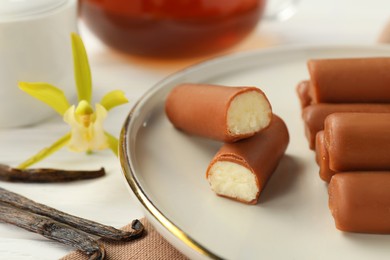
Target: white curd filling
(233,180)
(248,112)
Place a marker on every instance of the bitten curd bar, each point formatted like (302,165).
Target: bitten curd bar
(218,112)
(241,170)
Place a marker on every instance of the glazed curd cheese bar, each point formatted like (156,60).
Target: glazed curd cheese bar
(346,112)
(352,80)
(358,141)
(240,170)
(218,112)
(314,115)
(353,142)
(360,201)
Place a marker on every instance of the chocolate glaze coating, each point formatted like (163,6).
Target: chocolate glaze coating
(260,153)
(360,201)
(353,80)
(201,109)
(322,158)
(314,115)
(302,89)
(358,141)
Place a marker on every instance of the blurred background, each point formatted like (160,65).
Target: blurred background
(314,22)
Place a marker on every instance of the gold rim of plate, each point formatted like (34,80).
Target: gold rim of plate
(129,174)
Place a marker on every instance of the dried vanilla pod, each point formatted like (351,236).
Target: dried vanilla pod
(85,225)
(51,229)
(41,175)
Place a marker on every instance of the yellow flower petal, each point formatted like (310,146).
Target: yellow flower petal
(82,70)
(52,96)
(113,99)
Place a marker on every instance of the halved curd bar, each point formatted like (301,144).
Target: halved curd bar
(218,112)
(240,170)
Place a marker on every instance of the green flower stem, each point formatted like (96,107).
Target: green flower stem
(113,143)
(45,152)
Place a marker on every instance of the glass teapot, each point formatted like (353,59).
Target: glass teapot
(171,28)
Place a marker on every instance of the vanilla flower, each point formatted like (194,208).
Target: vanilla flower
(86,122)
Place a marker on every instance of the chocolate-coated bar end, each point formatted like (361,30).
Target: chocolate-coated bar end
(302,89)
(322,158)
(360,201)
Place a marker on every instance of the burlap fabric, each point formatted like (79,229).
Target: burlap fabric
(151,246)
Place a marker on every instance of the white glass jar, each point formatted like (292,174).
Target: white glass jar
(35,45)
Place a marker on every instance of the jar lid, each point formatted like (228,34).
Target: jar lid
(11,9)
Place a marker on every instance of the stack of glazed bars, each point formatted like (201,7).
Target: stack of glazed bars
(346,113)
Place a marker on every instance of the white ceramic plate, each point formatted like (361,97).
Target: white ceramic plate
(165,170)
